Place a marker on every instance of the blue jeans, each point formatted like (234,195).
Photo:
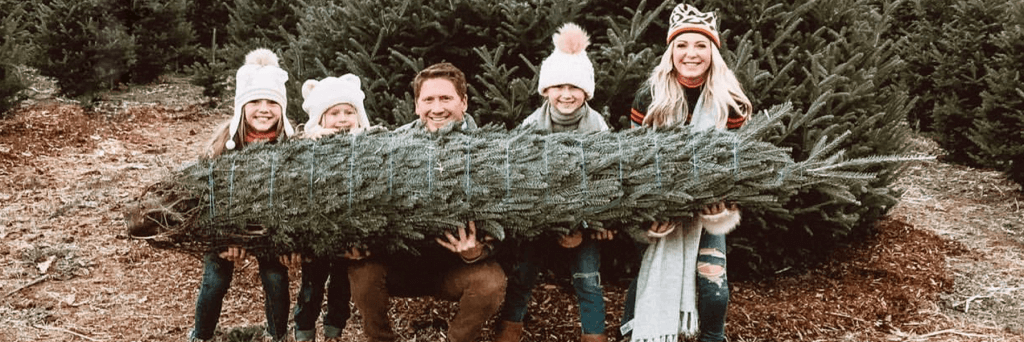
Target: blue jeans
(217,274)
(712,289)
(311,295)
(586,262)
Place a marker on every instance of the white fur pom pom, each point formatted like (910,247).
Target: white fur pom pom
(571,39)
(308,87)
(263,57)
(230,144)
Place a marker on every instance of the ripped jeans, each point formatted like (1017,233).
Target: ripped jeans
(585,264)
(712,288)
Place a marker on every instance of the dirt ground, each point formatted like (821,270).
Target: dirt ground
(946,265)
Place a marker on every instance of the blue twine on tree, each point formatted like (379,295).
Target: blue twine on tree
(583,167)
(547,170)
(273,168)
(508,172)
(468,183)
(351,171)
(391,170)
(212,198)
(621,157)
(231,185)
(736,157)
(657,161)
(312,169)
(430,171)
(696,167)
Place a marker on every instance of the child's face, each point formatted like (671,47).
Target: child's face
(342,116)
(262,115)
(565,98)
(691,54)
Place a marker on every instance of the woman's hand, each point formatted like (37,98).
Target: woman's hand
(717,208)
(234,254)
(661,229)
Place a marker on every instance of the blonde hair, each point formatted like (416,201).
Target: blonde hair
(722,93)
(215,146)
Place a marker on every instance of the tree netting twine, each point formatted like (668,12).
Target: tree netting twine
(397,190)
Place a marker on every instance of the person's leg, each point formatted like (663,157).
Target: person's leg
(311,294)
(217,274)
(368,281)
(629,305)
(338,296)
(521,280)
(586,279)
(479,288)
(712,287)
(274,277)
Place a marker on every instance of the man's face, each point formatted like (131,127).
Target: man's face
(439,104)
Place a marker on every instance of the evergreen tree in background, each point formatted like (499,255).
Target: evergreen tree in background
(13,52)
(162,36)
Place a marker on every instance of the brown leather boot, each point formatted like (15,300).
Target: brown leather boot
(594,338)
(509,332)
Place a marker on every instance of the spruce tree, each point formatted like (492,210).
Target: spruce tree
(13,52)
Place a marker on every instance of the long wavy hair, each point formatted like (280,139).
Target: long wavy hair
(215,146)
(722,93)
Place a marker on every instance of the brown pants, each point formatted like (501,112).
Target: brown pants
(479,288)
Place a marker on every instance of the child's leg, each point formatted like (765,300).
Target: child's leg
(338,295)
(216,281)
(521,280)
(586,279)
(311,294)
(274,277)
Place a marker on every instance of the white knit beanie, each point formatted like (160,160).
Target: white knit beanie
(686,18)
(322,95)
(569,63)
(260,78)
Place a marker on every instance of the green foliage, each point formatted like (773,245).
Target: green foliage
(83,46)
(13,52)
(499,45)
(396,191)
(999,129)
(163,37)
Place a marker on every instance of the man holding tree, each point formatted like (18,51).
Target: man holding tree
(461,269)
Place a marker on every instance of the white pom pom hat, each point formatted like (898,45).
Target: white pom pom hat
(569,63)
(260,78)
(321,95)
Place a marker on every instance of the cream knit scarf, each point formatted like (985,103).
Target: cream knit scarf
(666,304)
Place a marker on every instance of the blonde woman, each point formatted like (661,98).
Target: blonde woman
(690,86)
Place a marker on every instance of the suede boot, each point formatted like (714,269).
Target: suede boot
(509,332)
(594,338)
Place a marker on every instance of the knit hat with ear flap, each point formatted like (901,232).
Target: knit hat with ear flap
(260,78)
(686,18)
(322,95)
(569,63)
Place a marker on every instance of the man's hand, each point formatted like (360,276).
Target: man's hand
(571,240)
(293,260)
(465,245)
(234,254)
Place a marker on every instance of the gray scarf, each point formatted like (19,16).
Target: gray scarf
(583,120)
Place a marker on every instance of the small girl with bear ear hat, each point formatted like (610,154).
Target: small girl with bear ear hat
(334,104)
